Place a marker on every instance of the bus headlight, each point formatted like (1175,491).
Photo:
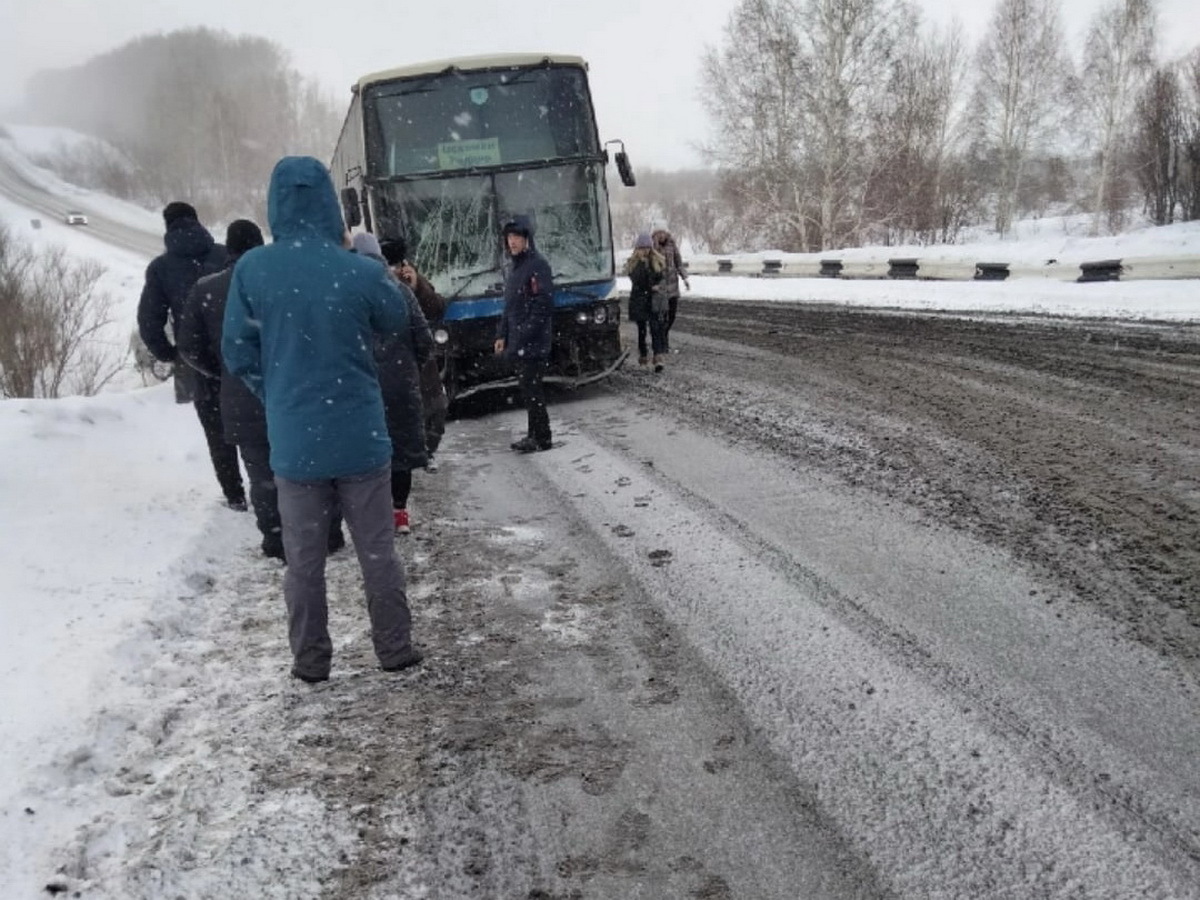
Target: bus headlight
(600,316)
(441,336)
(581,317)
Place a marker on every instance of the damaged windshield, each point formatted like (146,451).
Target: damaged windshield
(451,226)
(456,120)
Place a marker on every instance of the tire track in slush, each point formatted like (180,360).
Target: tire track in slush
(947,791)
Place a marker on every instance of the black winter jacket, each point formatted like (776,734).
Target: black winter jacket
(645,271)
(191,253)
(527,322)
(198,338)
(399,359)
(433,307)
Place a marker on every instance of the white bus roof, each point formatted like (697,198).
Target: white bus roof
(470,63)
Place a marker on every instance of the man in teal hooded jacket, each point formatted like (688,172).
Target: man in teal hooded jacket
(299,325)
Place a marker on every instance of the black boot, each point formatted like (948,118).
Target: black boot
(272,547)
(529,445)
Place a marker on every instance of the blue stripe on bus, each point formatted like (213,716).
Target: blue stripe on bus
(484,307)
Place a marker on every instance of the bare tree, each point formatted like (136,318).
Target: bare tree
(752,93)
(1167,141)
(687,202)
(1118,57)
(16,263)
(702,222)
(1189,169)
(847,48)
(792,94)
(920,131)
(202,115)
(1157,141)
(1022,71)
(90,163)
(54,318)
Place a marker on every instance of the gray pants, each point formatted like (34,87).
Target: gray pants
(306,508)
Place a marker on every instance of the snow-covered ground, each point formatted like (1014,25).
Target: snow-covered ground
(27,145)
(108,508)
(1043,256)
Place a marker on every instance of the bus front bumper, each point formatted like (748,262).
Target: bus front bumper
(572,381)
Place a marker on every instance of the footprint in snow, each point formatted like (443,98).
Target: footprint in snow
(659,557)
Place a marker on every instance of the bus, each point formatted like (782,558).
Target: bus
(439,155)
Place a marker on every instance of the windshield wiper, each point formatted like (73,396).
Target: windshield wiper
(417,85)
(471,277)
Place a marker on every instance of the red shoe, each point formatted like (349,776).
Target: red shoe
(401,516)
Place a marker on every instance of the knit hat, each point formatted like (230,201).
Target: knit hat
(242,235)
(518,225)
(176,210)
(366,244)
(643,241)
(394,250)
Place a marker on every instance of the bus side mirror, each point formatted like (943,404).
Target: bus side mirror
(625,169)
(351,208)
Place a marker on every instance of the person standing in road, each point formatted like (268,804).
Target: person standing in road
(399,358)
(190,253)
(645,268)
(526,326)
(668,288)
(300,322)
(243,419)
(433,306)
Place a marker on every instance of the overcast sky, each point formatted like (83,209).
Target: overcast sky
(644,56)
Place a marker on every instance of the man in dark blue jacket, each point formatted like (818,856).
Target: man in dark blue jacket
(300,322)
(526,327)
(190,253)
(198,339)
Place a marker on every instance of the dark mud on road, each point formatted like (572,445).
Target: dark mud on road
(1073,444)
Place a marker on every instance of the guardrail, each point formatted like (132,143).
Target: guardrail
(1126,269)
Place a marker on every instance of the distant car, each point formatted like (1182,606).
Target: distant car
(76,218)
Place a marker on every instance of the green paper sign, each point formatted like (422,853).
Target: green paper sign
(468,154)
